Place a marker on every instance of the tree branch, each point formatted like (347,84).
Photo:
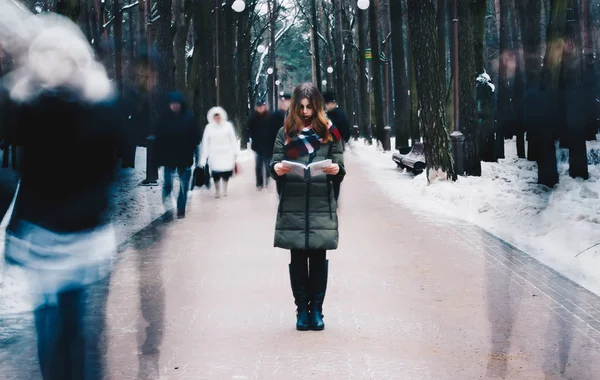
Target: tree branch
(126,8)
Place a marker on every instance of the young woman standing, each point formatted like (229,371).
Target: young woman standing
(307,221)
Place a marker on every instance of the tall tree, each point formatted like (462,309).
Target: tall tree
(415,130)
(164,47)
(430,84)
(182,28)
(118,41)
(339,54)
(478,13)
(550,81)
(467,72)
(442,33)
(350,60)
(315,38)
(506,106)
(376,64)
(69,8)
(401,98)
(363,79)
(530,19)
(578,97)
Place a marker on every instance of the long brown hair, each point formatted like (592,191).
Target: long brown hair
(295,122)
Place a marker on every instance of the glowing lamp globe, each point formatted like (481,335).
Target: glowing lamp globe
(363,4)
(238,6)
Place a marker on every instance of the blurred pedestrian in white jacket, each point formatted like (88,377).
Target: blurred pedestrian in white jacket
(219,149)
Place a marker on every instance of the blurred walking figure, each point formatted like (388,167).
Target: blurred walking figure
(177,140)
(307,221)
(276,123)
(219,149)
(340,120)
(66,119)
(337,116)
(262,143)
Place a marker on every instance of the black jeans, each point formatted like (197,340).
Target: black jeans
(71,334)
(262,169)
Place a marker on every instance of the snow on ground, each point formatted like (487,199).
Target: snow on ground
(551,225)
(135,207)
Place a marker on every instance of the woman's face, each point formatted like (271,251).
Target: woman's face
(218,119)
(306,109)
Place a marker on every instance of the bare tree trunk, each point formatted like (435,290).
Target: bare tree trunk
(506,73)
(376,62)
(118,41)
(164,46)
(422,22)
(441,21)
(401,98)
(362,77)
(577,94)
(339,55)
(467,69)
(415,130)
(350,67)
(315,38)
(530,19)
(550,81)
(518,83)
(201,76)
(182,25)
(69,8)
(141,33)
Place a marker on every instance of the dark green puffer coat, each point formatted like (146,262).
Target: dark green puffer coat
(307,217)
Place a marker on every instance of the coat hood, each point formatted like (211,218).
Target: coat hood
(177,97)
(217,111)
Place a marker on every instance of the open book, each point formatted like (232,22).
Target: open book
(307,171)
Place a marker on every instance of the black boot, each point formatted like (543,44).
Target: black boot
(318,285)
(299,282)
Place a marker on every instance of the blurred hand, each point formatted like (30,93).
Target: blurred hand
(281,170)
(333,169)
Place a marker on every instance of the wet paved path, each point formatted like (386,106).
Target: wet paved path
(410,296)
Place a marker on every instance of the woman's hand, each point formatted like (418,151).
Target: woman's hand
(281,170)
(333,169)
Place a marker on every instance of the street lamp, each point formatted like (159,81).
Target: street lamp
(270,71)
(261,49)
(324,83)
(238,6)
(363,4)
(330,70)
(277,82)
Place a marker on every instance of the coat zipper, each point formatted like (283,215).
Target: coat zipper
(306,214)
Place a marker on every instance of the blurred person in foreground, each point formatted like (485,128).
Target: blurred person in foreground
(66,120)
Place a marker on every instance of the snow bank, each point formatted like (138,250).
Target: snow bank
(551,225)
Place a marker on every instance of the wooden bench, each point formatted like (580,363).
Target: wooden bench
(413,160)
